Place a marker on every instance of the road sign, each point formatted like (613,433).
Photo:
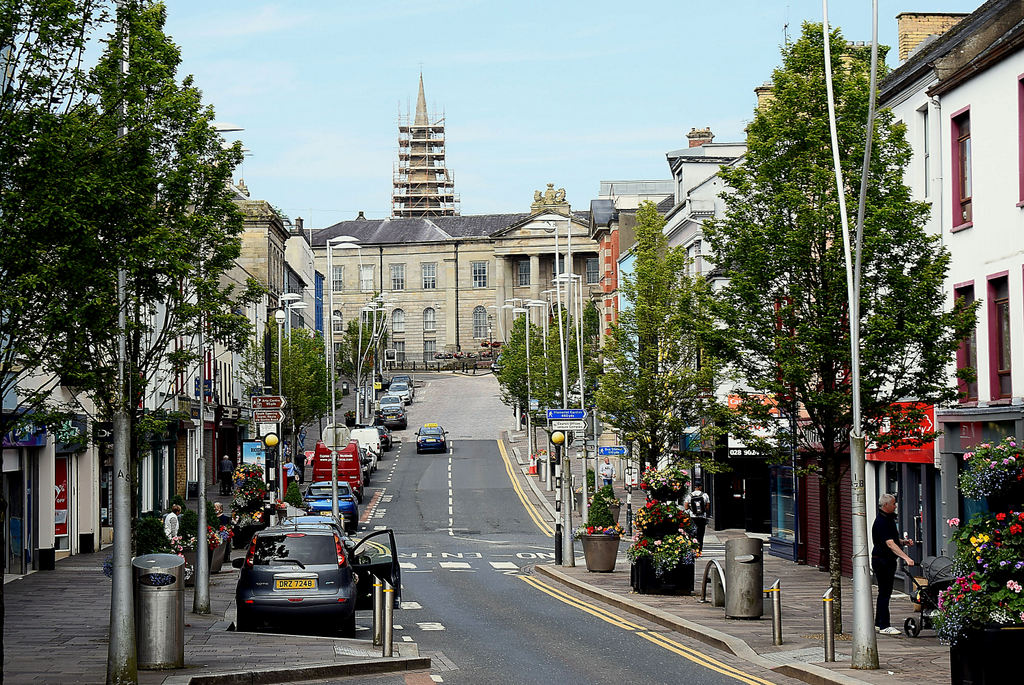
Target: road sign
(269,402)
(534,404)
(612,451)
(563,425)
(566,414)
(267,415)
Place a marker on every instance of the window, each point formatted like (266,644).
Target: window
(398,321)
(366,277)
(338,352)
(479,323)
(694,254)
(524,272)
(399,350)
(429,319)
(338,278)
(338,321)
(967,354)
(398,276)
(429,275)
(999,337)
(593,274)
(926,146)
(963,191)
(479,274)
(429,350)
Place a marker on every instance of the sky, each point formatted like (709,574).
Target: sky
(570,92)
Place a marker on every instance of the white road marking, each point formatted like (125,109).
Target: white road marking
(405,565)
(380,527)
(406,638)
(503,565)
(436,678)
(454,564)
(411,605)
(430,626)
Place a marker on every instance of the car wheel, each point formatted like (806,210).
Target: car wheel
(348,625)
(243,623)
(366,481)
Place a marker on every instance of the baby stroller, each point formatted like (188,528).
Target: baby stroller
(938,575)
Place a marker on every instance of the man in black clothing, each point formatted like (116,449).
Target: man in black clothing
(886,549)
(226,467)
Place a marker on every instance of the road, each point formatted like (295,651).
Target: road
(468,543)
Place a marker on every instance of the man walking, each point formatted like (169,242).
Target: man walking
(697,503)
(607,472)
(886,549)
(171,521)
(226,467)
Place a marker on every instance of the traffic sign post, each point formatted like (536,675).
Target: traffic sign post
(568,425)
(268,415)
(612,451)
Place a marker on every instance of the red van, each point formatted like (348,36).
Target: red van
(349,468)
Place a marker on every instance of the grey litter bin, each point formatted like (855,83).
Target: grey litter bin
(159,582)
(744,578)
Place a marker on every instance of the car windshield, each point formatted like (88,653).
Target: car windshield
(324,490)
(294,547)
(431,430)
(399,387)
(390,399)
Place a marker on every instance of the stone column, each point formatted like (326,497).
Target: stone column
(534,277)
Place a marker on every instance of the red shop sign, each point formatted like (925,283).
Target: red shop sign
(60,496)
(909,453)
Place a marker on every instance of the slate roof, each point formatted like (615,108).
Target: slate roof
(665,206)
(423,230)
(603,211)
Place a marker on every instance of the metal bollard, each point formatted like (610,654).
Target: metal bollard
(829,637)
(389,619)
(717,585)
(775,591)
(378,610)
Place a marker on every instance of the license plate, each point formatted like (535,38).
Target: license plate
(294,584)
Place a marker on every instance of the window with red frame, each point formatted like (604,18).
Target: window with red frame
(967,354)
(963,191)
(999,337)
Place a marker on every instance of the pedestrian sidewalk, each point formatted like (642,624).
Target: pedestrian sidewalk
(902,659)
(57,626)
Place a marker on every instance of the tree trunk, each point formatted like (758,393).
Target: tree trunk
(832,493)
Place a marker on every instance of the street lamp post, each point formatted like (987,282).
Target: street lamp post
(337,242)
(279,317)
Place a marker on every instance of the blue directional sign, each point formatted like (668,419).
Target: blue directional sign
(612,451)
(566,414)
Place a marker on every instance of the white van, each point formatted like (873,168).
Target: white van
(368,439)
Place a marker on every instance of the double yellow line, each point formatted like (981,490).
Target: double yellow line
(653,637)
(544,526)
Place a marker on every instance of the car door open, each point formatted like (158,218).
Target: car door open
(376,558)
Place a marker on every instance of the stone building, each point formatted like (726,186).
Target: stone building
(446,279)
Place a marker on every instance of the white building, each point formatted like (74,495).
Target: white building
(961,95)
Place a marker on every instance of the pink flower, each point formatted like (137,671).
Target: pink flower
(953,522)
(992,465)
(1013,585)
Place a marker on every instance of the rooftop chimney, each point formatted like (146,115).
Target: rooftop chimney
(298,223)
(764,93)
(700,136)
(361,217)
(914,27)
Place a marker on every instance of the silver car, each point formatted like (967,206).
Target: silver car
(401,390)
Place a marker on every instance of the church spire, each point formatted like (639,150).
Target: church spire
(421,107)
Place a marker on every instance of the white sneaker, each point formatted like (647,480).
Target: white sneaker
(890,631)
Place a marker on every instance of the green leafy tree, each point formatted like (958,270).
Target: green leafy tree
(304,376)
(656,381)
(780,245)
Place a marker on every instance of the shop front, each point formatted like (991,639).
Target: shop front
(21,452)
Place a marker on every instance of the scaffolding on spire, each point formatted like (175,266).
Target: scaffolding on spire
(422,184)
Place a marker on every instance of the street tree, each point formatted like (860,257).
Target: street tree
(658,379)
(304,380)
(784,310)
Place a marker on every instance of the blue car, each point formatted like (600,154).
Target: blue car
(318,501)
(431,437)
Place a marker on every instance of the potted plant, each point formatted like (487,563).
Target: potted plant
(981,613)
(600,535)
(184,546)
(350,418)
(667,484)
(247,503)
(220,553)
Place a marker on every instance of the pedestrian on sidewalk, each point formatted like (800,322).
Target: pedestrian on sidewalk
(171,521)
(698,503)
(226,467)
(607,472)
(885,551)
(289,473)
(222,518)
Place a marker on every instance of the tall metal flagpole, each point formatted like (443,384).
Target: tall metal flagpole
(201,595)
(122,662)
(333,383)
(865,647)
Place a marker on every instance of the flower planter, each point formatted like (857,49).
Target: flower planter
(190,567)
(600,552)
(218,556)
(660,530)
(244,533)
(665,494)
(677,581)
(350,421)
(986,656)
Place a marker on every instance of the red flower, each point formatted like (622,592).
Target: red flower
(1016,528)
(975,587)
(1000,517)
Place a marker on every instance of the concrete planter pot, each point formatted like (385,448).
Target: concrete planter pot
(600,552)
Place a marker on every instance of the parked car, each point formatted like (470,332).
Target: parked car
(404,378)
(320,520)
(369,438)
(318,501)
(403,390)
(307,576)
(387,401)
(386,441)
(350,467)
(394,416)
(431,437)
